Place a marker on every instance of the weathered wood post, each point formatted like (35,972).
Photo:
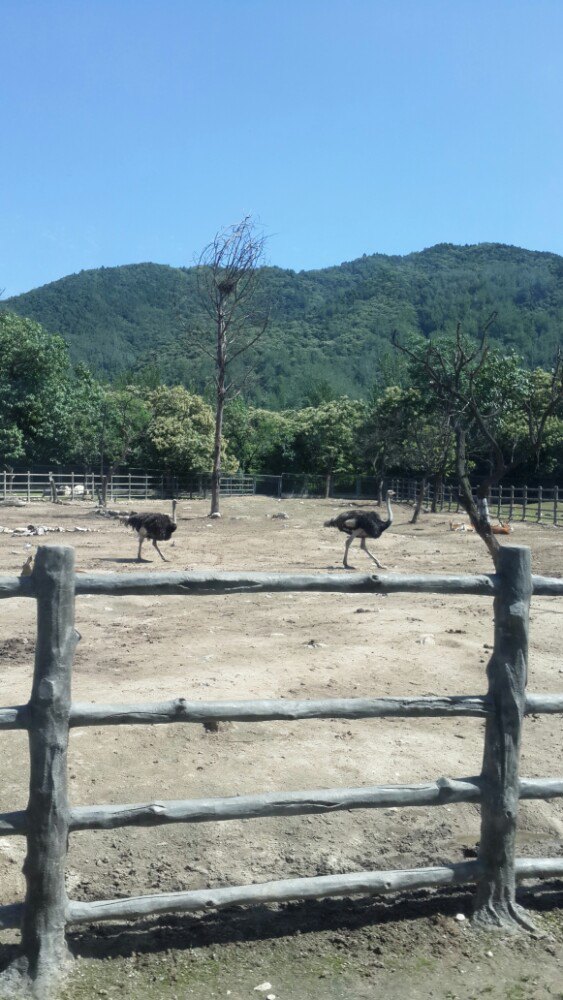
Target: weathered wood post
(555,504)
(28,487)
(495,903)
(129,486)
(511,505)
(540,503)
(499,503)
(43,943)
(524,502)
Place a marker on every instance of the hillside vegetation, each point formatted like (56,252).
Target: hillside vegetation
(330,326)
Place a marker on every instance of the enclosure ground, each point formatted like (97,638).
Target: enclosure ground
(306,646)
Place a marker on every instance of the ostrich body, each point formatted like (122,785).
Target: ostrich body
(156,527)
(362,524)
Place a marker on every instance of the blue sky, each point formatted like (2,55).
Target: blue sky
(134,130)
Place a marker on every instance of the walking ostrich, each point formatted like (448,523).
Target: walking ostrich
(154,526)
(362,524)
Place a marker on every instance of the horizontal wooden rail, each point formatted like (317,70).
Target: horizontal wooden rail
(279,709)
(201,583)
(436,793)
(357,883)
(284,890)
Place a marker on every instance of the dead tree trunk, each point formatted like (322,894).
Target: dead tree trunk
(495,904)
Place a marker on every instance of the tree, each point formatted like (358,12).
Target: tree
(501,412)
(406,430)
(327,441)
(35,390)
(227,281)
(180,432)
(261,440)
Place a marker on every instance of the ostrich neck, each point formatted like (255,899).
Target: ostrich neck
(389,511)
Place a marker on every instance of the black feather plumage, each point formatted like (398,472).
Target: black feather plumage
(157,527)
(361,522)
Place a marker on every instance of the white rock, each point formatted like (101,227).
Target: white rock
(460,916)
(263,987)
(427,640)
(489,954)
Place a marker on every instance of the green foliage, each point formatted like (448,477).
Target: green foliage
(261,440)
(329,328)
(35,380)
(179,435)
(327,437)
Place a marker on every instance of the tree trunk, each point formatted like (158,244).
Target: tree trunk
(478,513)
(328,485)
(495,903)
(220,406)
(419,500)
(438,492)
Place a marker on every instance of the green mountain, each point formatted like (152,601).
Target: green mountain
(327,326)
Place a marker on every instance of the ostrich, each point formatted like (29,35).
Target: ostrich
(154,526)
(362,524)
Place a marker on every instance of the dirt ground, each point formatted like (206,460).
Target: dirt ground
(271,646)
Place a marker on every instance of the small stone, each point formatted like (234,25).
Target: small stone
(263,987)
(427,640)
(460,916)
(489,954)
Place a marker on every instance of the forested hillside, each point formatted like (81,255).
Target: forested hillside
(328,327)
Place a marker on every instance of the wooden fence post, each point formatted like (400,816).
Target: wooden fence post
(495,903)
(28,487)
(511,507)
(499,503)
(555,504)
(43,943)
(129,486)
(539,510)
(524,502)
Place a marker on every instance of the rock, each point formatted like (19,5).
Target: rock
(427,640)
(216,513)
(460,916)
(280,517)
(263,987)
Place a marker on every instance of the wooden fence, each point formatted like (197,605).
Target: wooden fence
(50,713)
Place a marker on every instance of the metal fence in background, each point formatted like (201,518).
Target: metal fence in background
(538,504)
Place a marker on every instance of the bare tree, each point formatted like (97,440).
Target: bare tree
(227,283)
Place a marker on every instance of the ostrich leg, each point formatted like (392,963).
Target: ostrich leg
(158,550)
(346,547)
(366,550)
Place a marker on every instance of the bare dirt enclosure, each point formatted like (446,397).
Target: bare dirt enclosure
(136,649)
